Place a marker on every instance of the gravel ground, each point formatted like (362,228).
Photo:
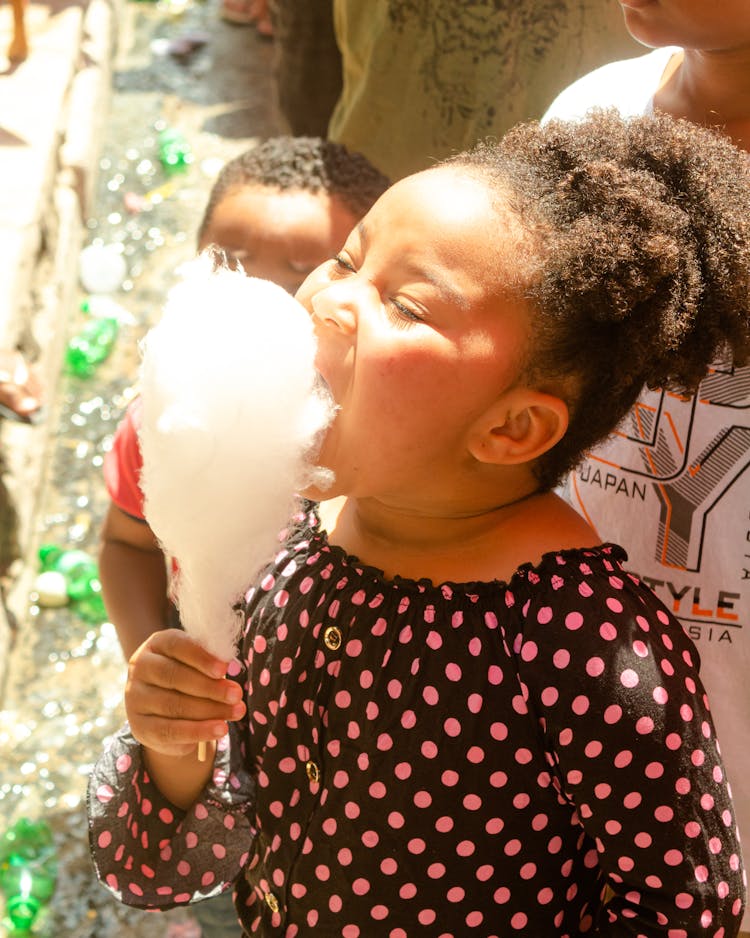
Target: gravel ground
(64,690)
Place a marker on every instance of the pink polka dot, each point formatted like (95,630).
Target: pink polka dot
(629,678)
(494,675)
(594,667)
(502,895)
(427,916)
(407,891)
(379,912)
(465,848)
(429,749)
(436,870)
(389,866)
(580,705)
(396,820)
(474,919)
(664,813)
(444,824)
(623,758)
(430,694)
(449,778)
(613,714)
(607,631)
(561,658)
(453,671)
(361,886)
(573,621)
(644,725)
(673,857)
(422,799)
(104,794)
(452,727)
(520,919)
(654,770)
(474,703)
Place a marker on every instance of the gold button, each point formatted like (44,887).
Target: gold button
(332,638)
(313,772)
(272,902)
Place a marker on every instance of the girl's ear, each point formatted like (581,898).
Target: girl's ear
(519,428)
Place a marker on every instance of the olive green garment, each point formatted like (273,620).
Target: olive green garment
(426,78)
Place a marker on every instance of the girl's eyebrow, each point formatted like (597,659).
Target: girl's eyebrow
(447,292)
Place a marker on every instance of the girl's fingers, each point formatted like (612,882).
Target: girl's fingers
(178,737)
(174,643)
(150,701)
(179,664)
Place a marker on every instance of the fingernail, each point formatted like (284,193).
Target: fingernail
(233,694)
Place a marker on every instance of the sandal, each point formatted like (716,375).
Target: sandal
(248,12)
(19,389)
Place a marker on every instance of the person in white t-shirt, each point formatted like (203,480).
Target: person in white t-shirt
(673,486)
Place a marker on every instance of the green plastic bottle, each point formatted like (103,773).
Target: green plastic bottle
(28,871)
(91,346)
(81,574)
(175,153)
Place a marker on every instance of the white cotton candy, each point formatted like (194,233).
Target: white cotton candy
(231,423)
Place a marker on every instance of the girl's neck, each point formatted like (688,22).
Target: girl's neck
(710,88)
(459,547)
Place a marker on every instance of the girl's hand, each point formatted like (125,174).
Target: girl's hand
(177,695)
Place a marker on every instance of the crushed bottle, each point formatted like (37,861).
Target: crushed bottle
(28,871)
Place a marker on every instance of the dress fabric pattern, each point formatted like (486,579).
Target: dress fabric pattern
(424,759)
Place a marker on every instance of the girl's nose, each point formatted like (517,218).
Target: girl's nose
(334,307)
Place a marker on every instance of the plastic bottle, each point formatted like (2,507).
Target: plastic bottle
(102,268)
(28,871)
(81,576)
(175,153)
(91,346)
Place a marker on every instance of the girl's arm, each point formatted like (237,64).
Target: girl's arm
(158,818)
(133,572)
(635,751)
(177,696)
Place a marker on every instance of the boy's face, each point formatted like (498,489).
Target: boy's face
(416,339)
(278,235)
(693,24)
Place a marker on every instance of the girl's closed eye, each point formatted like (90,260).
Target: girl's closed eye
(342,263)
(402,316)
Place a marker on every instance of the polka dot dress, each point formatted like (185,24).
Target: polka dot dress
(439,760)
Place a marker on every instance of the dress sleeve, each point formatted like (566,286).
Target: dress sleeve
(152,855)
(614,682)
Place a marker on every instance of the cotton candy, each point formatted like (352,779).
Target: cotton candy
(232,419)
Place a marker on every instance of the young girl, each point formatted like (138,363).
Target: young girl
(452,710)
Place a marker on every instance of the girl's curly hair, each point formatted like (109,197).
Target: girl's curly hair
(637,260)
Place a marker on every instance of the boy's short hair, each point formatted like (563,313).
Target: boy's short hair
(311,164)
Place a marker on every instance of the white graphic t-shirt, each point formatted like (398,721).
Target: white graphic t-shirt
(672,486)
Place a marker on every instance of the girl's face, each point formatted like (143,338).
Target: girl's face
(693,24)
(416,336)
(278,234)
